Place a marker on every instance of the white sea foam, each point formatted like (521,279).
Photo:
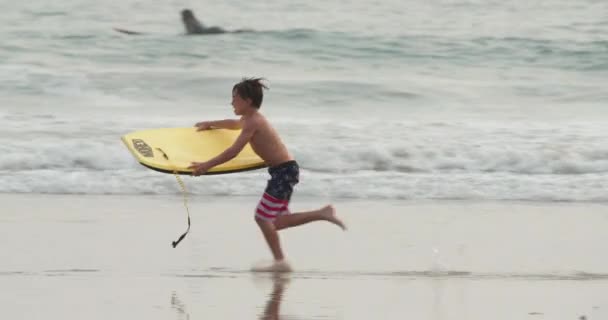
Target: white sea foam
(459,160)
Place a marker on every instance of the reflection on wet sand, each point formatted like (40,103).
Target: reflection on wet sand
(271,309)
(182,313)
(273,305)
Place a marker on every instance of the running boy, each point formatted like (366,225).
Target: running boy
(272,213)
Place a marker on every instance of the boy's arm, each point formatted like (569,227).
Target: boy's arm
(241,141)
(232,124)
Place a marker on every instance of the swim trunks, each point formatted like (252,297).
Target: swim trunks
(275,200)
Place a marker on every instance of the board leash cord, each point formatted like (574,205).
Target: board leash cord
(182,186)
(185,195)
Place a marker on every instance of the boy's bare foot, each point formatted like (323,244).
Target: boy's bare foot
(329,213)
(276,266)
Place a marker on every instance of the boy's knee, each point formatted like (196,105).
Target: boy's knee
(259,220)
(265,223)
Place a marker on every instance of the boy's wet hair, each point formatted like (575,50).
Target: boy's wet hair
(251,88)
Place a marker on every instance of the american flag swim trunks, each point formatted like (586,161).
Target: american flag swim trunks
(275,200)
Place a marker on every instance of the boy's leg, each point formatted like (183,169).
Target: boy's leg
(272,238)
(327,213)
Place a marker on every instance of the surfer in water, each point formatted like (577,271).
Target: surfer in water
(272,212)
(192,26)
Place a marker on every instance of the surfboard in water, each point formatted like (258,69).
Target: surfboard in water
(172,150)
(125,31)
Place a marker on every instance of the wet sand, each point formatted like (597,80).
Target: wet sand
(101,257)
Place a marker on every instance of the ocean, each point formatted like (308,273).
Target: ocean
(422,100)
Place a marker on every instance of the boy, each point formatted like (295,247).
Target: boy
(272,213)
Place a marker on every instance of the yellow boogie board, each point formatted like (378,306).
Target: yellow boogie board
(172,150)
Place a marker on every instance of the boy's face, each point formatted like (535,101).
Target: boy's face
(240,105)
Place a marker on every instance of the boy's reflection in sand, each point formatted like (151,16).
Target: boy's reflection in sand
(180,307)
(273,306)
(271,310)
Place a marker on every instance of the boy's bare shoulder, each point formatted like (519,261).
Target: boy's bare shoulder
(257,120)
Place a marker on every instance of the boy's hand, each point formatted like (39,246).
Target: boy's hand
(203,125)
(199,168)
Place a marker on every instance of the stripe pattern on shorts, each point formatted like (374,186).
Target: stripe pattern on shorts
(269,207)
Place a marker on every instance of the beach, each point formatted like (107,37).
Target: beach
(100,257)
(464,143)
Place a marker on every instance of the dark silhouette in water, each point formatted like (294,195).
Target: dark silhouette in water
(192,26)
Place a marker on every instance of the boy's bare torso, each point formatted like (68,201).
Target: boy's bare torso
(265,140)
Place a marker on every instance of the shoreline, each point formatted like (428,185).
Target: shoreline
(307,198)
